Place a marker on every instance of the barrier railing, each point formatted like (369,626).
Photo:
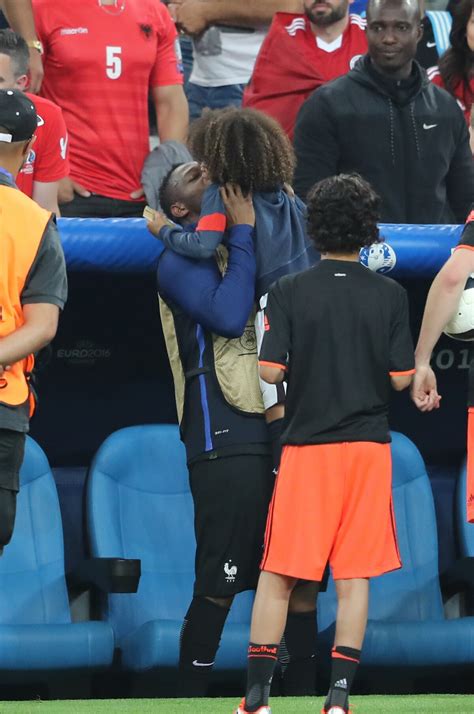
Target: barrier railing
(123,245)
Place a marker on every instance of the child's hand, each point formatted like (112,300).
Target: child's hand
(156,222)
(239,208)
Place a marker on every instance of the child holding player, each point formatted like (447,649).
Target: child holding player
(339,335)
(248,149)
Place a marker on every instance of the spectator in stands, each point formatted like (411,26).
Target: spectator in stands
(227,35)
(19,14)
(455,71)
(33,289)
(47,163)
(101,56)
(300,53)
(410,140)
(223,303)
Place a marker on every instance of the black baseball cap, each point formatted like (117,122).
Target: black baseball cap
(17,115)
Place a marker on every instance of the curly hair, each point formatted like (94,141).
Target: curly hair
(457,63)
(244,147)
(343,212)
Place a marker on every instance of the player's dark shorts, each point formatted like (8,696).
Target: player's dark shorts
(231,497)
(337,499)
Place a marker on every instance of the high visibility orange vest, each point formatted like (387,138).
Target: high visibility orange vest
(22,225)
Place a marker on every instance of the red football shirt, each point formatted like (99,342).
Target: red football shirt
(462,93)
(99,63)
(291,65)
(48,159)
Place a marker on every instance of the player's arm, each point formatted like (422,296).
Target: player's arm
(19,14)
(46,195)
(172,113)
(443,299)
(221,304)
(195,16)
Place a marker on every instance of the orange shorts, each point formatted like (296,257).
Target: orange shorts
(332,502)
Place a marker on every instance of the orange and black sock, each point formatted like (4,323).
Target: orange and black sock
(345,661)
(261,664)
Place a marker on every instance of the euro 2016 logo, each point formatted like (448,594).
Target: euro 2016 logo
(379,257)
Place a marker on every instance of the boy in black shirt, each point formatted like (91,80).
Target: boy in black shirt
(339,335)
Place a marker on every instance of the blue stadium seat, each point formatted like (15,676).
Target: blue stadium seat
(407,626)
(36,632)
(139,506)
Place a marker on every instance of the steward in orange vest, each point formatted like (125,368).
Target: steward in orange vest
(33,289)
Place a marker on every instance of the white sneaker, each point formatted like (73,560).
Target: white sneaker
(336,710)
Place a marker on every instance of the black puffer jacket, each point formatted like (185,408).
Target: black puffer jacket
(408,138)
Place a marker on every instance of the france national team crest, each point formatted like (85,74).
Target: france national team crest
(379,257)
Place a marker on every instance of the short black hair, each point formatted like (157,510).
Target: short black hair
(167,193)
(343,212)
(15,47)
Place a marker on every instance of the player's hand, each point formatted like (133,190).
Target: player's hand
(67,189)
(190,16)
(159,221)
(36,71)
(239,208)
(424,390)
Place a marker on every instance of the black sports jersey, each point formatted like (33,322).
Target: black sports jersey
(467,241)
(340,330)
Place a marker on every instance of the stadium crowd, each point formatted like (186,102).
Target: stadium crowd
(286,130)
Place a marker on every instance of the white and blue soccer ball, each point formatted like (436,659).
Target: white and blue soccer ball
(461,325)
(379,257)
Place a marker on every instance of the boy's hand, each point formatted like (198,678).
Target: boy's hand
(239,208)
(156,221)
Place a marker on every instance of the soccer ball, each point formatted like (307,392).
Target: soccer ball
(461,325)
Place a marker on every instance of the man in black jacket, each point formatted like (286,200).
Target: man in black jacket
(387,122)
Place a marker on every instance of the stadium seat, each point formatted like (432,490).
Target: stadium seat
(139,506)
(36,632)
(407,625)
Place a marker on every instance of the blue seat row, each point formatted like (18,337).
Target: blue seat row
(139,506)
